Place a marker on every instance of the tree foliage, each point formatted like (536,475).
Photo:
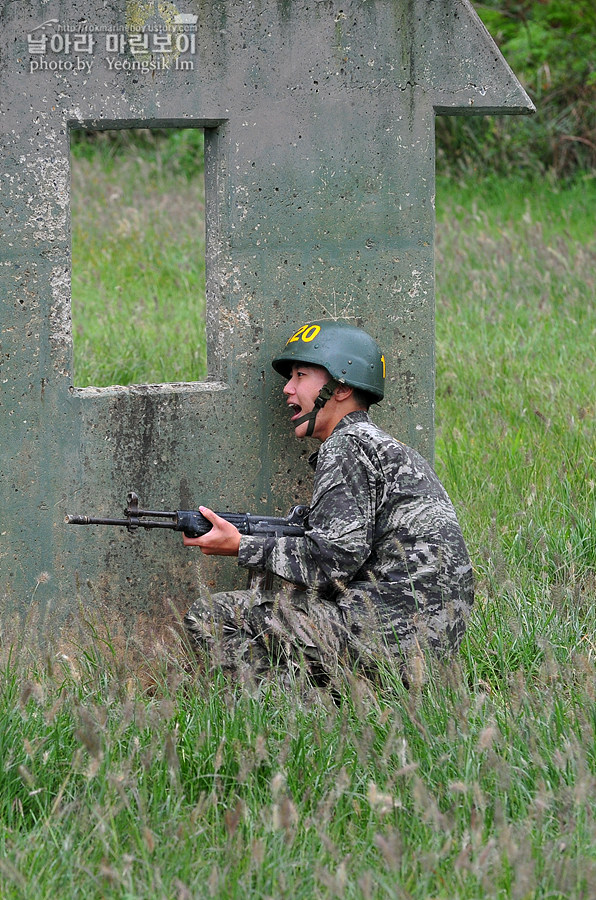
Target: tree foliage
(551,47)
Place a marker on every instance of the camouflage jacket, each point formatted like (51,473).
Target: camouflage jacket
(381,527)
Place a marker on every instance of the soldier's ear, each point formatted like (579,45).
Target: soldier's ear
(343,392)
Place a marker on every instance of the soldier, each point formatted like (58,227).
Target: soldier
(382,569)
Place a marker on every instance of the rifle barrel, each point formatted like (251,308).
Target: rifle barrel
(125,523)
(90,520)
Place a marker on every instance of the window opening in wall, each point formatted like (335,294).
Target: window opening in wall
(138,256)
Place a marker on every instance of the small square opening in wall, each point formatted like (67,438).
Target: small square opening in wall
(138,256)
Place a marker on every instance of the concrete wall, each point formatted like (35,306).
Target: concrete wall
(319,119)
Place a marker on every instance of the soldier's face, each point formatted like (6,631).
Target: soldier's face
(301,391)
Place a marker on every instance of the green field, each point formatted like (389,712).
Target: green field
(128,774)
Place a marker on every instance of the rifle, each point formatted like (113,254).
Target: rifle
(193,523)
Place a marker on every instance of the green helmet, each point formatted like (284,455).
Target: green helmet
(348,353)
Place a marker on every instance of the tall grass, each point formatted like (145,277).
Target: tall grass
(176,784)
(128,772)
(515,397)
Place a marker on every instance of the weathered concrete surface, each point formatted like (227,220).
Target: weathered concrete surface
(319,121)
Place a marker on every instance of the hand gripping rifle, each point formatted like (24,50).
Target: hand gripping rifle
(193,523)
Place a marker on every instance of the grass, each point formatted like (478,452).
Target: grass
(515,391)
(126,777)
(128,773)
(138,258)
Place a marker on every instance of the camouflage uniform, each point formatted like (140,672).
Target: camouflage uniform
(382,568)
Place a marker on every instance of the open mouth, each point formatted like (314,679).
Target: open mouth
(295,410)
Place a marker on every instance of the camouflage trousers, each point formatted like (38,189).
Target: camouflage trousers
(249,632)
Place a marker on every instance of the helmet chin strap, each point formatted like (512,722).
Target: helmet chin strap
(325,394)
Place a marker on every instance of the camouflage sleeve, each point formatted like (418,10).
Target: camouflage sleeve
(341,523)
